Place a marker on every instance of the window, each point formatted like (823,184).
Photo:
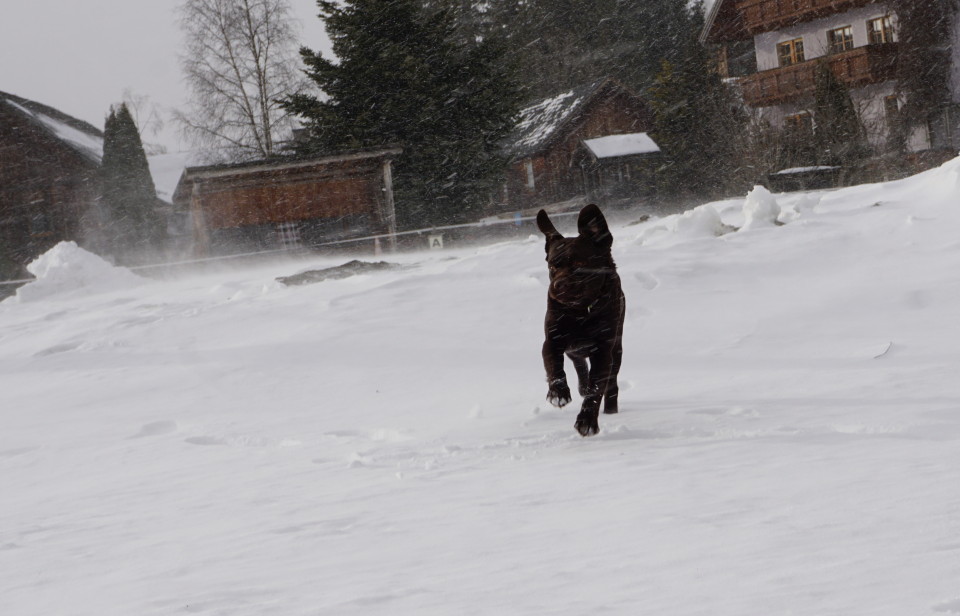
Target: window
(528,165)
(840,39)
(880,30)
(801,123)
(790,52)
(289,235)
(40,224)
(891,110)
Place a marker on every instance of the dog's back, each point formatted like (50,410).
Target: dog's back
(585,313)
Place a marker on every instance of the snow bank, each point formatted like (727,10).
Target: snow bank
(703,221)
(795,207)
(760,209)
(945,180)
(67,268)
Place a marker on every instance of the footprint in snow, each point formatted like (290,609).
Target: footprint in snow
(735,411)
(157,428)
(66,347)
(646,281)
(206,440)
(16,451)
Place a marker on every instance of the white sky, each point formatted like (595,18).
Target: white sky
(79,55)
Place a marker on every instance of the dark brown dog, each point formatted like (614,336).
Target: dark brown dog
(585,309)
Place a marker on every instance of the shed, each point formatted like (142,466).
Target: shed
(618,166)
(543,149)
(290,202)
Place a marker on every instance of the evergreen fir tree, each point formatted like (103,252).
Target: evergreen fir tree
(133,227)
(562,44)
(697,123)
(403,78)
(925,31)
(838,132)
(9,268)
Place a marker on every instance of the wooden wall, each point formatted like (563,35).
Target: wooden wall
(250,201)
(47,191)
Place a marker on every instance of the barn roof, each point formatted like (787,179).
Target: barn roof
(274,166)
(545,121)
(615,146)
(80,136)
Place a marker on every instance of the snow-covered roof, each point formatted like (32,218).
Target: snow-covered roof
(613,146)
(87,139)
(80,136)
(540,122)
(793,170)
(723,23)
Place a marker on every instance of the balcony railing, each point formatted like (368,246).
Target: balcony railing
(767,15)
(854,68)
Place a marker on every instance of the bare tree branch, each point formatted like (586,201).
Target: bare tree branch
(239,60)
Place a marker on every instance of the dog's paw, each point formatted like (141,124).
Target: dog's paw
(559,394)
(587,424)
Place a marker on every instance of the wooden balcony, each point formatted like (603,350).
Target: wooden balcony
(854,68)
(768,15)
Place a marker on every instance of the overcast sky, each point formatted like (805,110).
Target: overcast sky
(79,55)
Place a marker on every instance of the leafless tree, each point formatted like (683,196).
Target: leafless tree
(239,60)
(148,117)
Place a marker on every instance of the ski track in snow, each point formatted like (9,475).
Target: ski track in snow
(223,444)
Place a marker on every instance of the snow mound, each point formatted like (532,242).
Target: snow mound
(798,207)
(945,180)
(703,221)
(67,268)
(760,209)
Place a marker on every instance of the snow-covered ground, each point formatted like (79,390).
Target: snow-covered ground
(788,442)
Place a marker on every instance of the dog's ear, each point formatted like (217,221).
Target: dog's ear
(592,225)
(546,226)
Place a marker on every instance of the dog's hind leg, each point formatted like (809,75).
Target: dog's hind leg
(604,366)
(610,397)
(583,374)
(612,393)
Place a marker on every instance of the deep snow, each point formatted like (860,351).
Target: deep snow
(788,442)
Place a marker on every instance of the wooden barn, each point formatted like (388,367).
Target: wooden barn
(547,161)
(290,203)
(49,181)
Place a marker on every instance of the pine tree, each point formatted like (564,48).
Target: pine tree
(839,133)
(403,78)
(8,266)
(925,31)
(133,227)
(697,123)
(562,44)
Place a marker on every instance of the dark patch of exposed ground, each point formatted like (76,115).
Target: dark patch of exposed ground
(351,268)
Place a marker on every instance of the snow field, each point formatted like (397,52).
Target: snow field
(222,444)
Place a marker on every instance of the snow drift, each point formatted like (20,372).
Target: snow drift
(760,209)
(380,444)
(66,270)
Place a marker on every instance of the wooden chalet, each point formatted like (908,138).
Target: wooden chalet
(548,162)
(49,181)
(788,39)
(290,203)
